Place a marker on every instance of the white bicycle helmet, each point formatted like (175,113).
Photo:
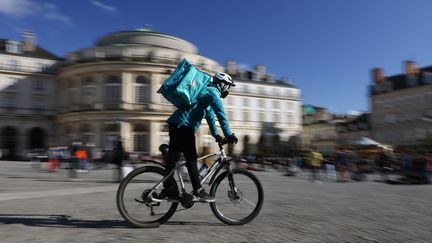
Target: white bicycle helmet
(223,82)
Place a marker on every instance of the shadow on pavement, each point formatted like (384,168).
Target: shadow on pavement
(66,221)
(194,223)
(59,221)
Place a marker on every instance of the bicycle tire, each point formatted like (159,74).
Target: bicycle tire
(217,208)
(148,162)
(121,203)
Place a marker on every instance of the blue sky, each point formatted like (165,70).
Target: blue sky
(325,47)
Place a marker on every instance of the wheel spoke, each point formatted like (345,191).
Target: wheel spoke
(133,198)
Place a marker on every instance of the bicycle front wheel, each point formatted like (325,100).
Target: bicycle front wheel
(239,197)
(133,200)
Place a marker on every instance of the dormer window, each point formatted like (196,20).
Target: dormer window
(14,47)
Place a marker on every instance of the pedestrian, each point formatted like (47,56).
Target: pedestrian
(82,156)
(330,169)
(182,126)
(341,166)
(117,158)
(315,160)
(53,162)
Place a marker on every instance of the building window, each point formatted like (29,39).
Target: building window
(39,85)
(246,116)
(111,134)
(290,105)
(261,103)
(141,90)
(262,117)
(290,118)
(111,127)
(113,89)
(275,117)
(89,91)
(38,103)
(10,101)
(74,96)
(141,139)
(14,47)
(89,94)
(275,104)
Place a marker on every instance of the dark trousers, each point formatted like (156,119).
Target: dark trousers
(182,140)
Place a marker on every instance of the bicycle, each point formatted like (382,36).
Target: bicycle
(238,193)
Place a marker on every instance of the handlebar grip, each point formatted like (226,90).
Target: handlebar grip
(224,141)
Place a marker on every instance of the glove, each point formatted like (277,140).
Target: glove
(232,139)
(218,138)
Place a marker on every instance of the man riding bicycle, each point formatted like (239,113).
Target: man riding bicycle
(182,126)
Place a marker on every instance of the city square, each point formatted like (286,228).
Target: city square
(38,206)
(328,103)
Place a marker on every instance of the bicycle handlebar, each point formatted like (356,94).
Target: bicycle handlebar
(224,141)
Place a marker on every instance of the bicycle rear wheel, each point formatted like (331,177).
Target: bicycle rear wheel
(132,198)
(241,207)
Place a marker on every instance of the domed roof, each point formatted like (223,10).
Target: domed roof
(147,37)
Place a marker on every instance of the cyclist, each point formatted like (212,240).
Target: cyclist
(182,126)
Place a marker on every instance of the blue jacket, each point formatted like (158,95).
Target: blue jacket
(208,104)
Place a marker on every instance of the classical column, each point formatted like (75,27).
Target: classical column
(126,135)
(154,134)
(127,89)
(155,83)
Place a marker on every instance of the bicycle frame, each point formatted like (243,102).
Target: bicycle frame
(213,170)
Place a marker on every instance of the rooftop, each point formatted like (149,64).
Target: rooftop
(38,52)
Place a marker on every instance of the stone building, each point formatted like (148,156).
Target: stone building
(27,105)
(326,131)
(109,90)
(401,110)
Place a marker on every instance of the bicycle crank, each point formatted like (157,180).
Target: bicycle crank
(187,200)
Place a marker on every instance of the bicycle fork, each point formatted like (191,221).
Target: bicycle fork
(233,193)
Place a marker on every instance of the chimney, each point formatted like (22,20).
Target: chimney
(377,75)
(410,67)
(28,41)
(231,67)
(261,71)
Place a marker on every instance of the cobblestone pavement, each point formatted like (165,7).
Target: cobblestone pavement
(36,206)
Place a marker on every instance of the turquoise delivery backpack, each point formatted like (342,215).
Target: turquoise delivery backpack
(182,87)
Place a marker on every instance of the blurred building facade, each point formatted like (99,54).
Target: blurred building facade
(109,90)
(27,105)
(326,131)
(401,106)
